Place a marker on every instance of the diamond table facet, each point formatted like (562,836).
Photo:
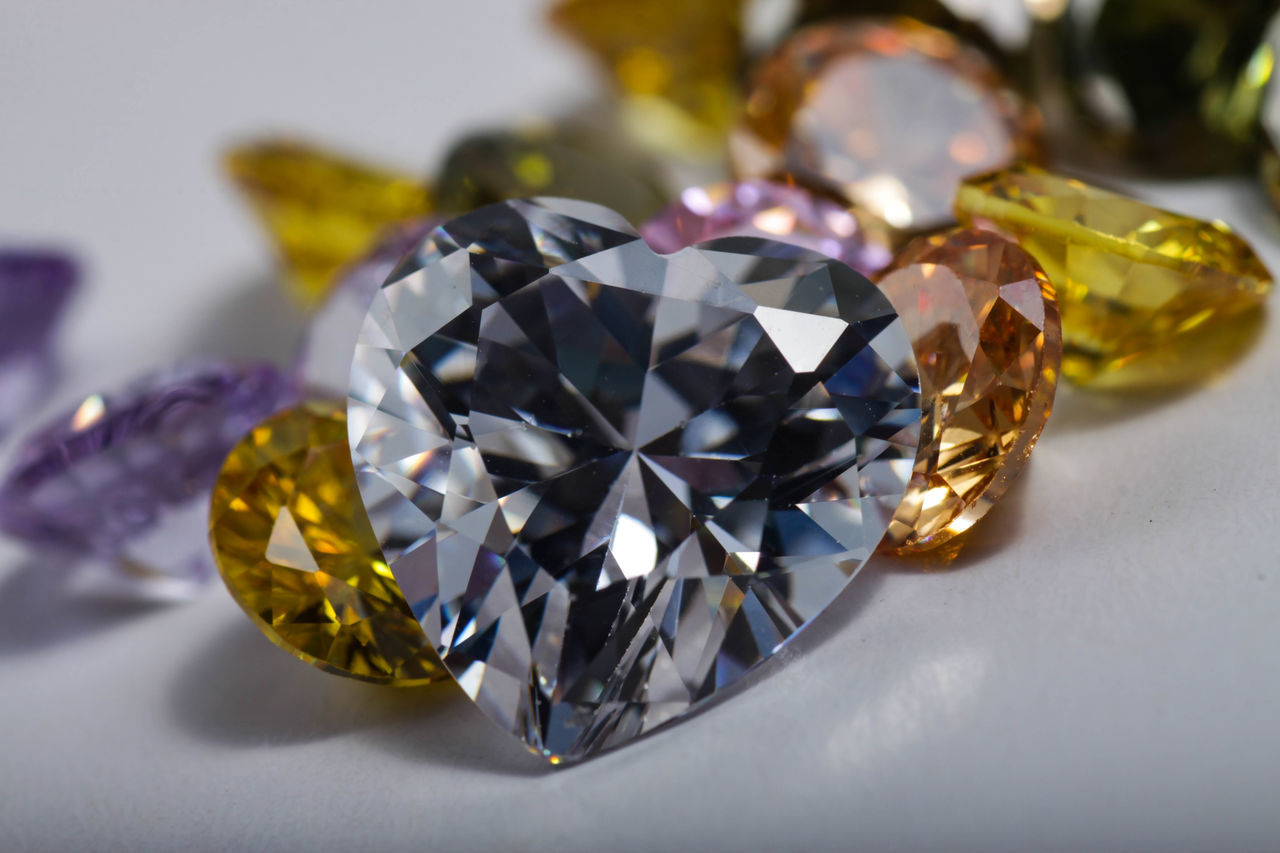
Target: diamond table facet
(984,323)
(1133,282)
(609,482)
(295,549)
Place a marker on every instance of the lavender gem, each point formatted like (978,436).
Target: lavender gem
(35,288)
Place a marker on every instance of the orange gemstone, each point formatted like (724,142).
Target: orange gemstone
(888,114)
(984,325)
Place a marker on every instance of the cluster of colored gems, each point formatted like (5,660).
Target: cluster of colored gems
(595,473)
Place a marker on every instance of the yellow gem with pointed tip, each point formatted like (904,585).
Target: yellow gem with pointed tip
(294,546)
(1137,286)
(322,209)
(675,61)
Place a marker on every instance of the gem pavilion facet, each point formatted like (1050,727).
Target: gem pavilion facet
(608,481)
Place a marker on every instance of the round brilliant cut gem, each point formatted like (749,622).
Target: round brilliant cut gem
(775,211)
(889,115)
(294,547)
(609,481)
(984,323)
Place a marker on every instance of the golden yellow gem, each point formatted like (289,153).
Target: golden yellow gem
(676,63)
(1135,284)
(322,209)
(294,546)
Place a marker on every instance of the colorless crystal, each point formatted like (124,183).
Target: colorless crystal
(608,481)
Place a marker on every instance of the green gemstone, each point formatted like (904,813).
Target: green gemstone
(572,161)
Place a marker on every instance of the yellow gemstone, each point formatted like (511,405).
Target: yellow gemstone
(322,209)
(676,63)
(984,326)
(295,548)
(1136,285)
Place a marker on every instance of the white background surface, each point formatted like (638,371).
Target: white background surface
(1099,670)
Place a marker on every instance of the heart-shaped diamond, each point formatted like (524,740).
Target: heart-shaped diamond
(609,481)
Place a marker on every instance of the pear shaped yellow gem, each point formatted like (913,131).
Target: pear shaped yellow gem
(1134,283)
(294,546)
(322,209)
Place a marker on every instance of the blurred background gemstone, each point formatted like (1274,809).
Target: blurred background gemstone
(324,356)
(35,288)
(569,160)
(323,210)
(675,63)
(1171,87)
(986,333)
(1270,117)
(889,114)
(1136,285)
(294,546)
(123,479)
(758,208)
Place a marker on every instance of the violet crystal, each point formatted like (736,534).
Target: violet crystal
(35,288)
(124,479)
(758,208)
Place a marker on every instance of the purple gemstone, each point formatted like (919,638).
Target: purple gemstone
(125,478)
(324,357)
(756,208)
(35,288)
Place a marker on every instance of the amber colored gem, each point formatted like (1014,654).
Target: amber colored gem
(675,62)
(572,160)
(985,330)
(322,209)
(888,114)
(1133,281)
(295,548)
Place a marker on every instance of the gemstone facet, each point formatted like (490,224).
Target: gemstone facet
(985,328)
(124,479)
(1132,281)
(322,209)
(35,288)
(294,547)
(609,481)
(575,160)
(888,114)
(676,63)
(324,355)
(757,208)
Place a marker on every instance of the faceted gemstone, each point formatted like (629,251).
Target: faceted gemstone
(322,209)
(1270,52)
(324,356)
(756,208)
(1172,86)
(124,479)
(609,481)
(294,547)
(572,161)
(1132,281)
(986,333)
(676,63)
(35,288)
(889,114)
(993,25)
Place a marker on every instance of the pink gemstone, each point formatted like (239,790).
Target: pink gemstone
(124,479)
(758,208)
(35,288)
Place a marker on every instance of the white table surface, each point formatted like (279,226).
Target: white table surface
(1099,670)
